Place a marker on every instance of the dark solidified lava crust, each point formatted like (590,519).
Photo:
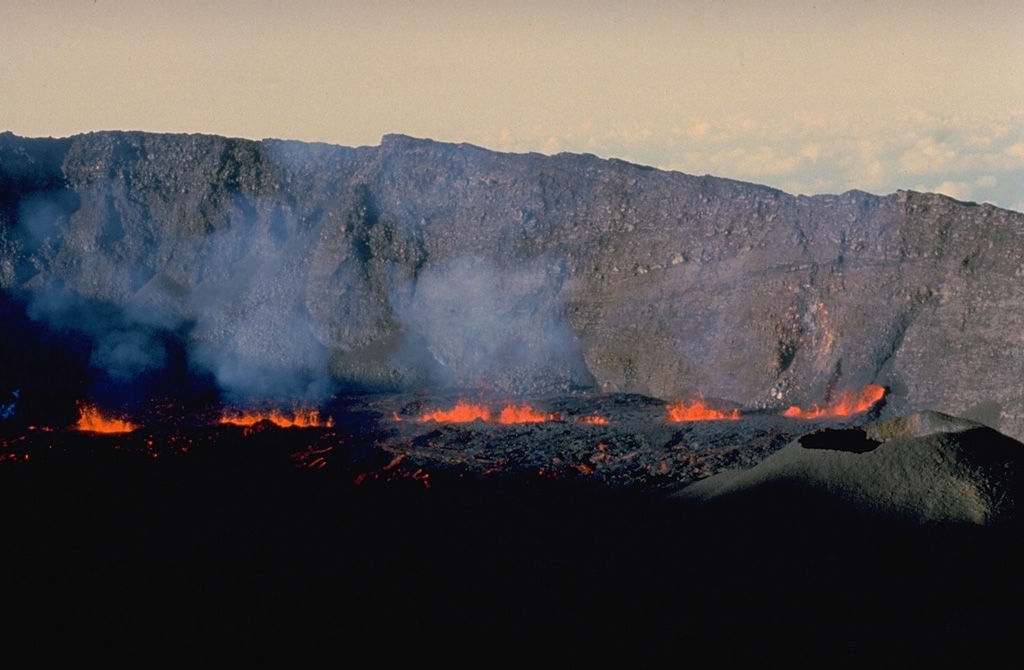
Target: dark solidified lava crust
(410,541)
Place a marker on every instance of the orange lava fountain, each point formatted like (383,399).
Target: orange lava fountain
(522,414)
(847,404)
(463,412)
(466,412)
(698,410)
(297,419)
(90,419)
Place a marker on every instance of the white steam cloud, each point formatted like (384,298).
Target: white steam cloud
(239,314)
(503,328)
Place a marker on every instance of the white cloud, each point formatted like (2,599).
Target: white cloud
(872,175)
(1015,150)
(811,150)
(699,130)
(927,155)
(979,142)
(954,189)
(976,157)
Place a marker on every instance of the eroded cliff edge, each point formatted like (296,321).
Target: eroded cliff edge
(286,269)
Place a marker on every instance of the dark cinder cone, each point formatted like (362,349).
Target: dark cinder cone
(926,467)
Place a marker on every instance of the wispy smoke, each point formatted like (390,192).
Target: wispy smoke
(253,332)
(121,347)
(276,299)
(500,327)
(239,312)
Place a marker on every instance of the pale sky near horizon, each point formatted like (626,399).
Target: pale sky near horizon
(810,97)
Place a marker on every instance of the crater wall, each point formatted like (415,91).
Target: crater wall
(278,269)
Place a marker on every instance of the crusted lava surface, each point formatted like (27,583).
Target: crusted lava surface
(618,441)
(388,535)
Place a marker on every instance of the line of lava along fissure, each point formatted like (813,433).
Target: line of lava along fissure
(698,410)
(91,420)
(845,405)
(467,412)
(297,419)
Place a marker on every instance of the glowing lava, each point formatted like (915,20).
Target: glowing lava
(698,410)
(92,420)
(847,404)
(298,419)
(466,412)
(593,420)
(463,412)
(522,414)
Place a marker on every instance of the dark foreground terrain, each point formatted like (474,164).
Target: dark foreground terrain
(195,541)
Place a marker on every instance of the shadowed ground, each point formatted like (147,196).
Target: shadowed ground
(230,551)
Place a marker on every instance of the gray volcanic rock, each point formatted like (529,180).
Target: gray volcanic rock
(926,468)
(286,269)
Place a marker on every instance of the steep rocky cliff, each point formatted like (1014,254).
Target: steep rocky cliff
(287,270)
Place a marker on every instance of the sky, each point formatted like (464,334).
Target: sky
(807,96)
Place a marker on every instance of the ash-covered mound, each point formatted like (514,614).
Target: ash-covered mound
(927,467)
(143,263)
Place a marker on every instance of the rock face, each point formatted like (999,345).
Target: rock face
(286,269)
(925,468)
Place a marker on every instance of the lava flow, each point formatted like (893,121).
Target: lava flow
(847,404)
(522,414)
(466,412)
(463,412)
(698,410)
(92,420)
(297,419)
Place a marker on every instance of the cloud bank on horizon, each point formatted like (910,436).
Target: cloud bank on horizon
(979,158)
(805,96)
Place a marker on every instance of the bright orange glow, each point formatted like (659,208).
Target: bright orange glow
(463,412)
(522,414)
(698,410)
(847,404)
(298,419)
(90,419)
(593,420)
